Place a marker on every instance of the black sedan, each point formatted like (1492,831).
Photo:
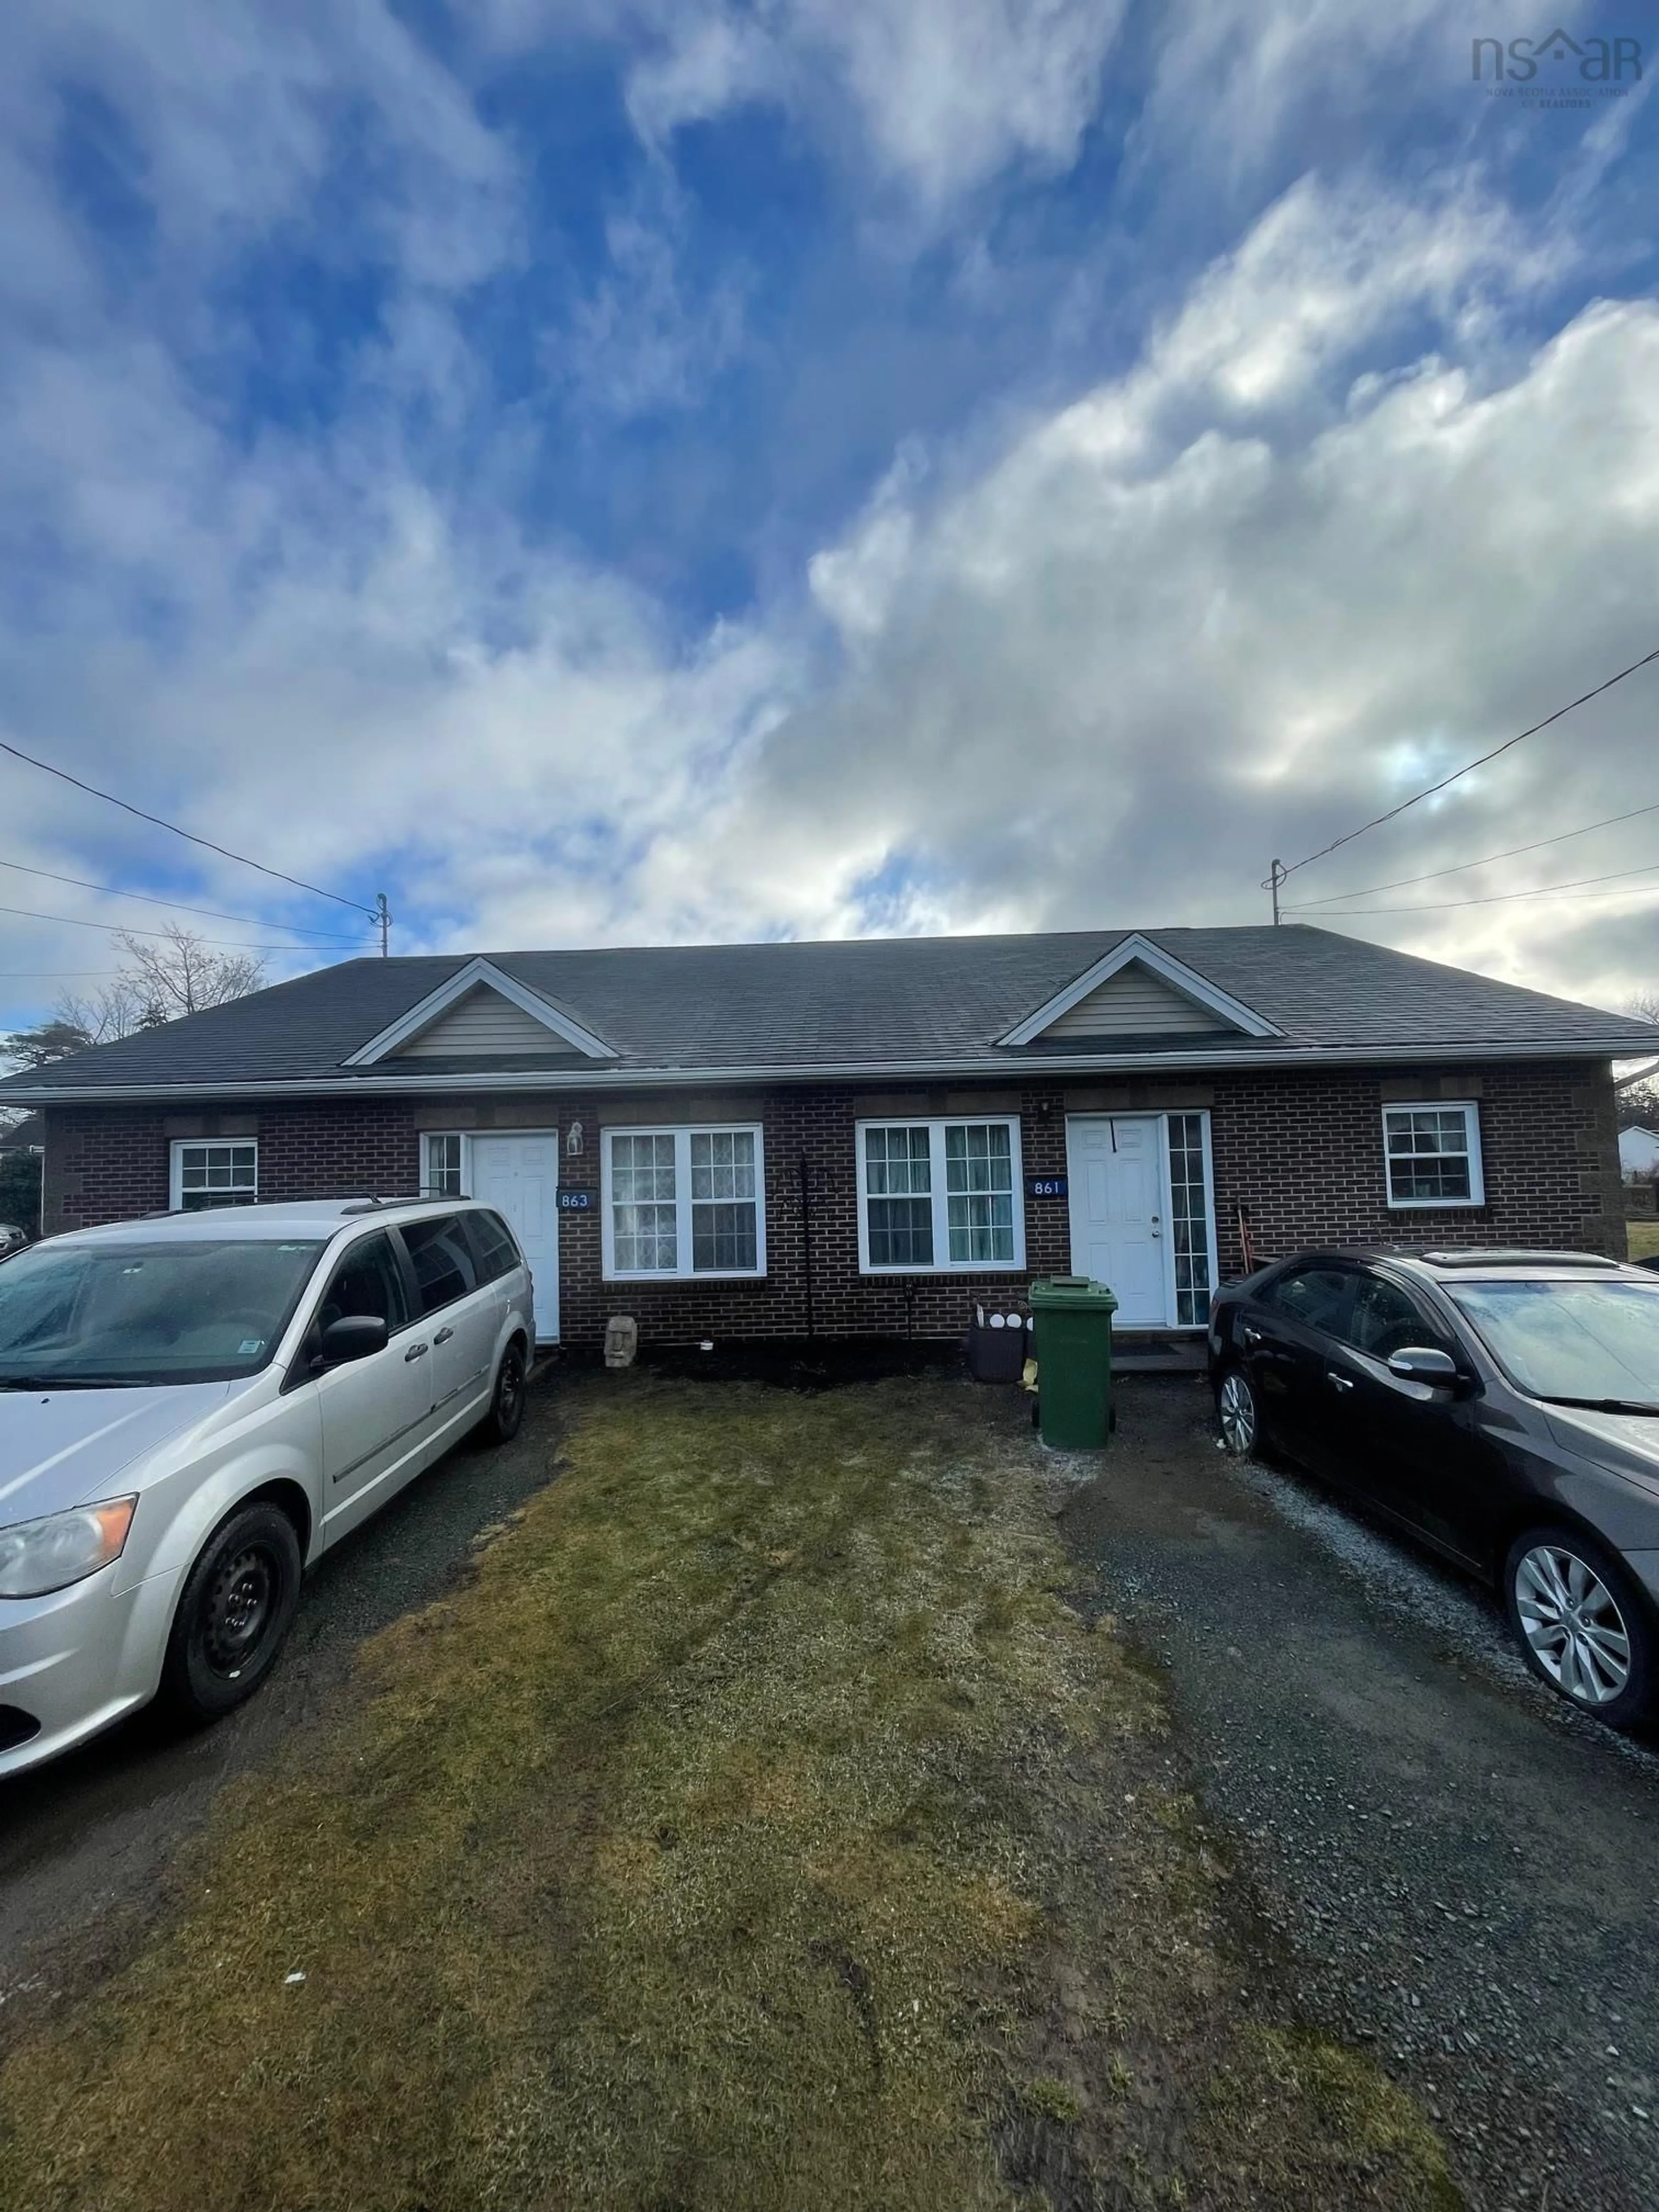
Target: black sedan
(1502,1406)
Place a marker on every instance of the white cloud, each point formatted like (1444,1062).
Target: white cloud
(1108,682)
(642,342)
(1330,531)
(946,93)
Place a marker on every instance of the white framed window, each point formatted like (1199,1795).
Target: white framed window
(936,1197)
(1192,1230)
(213,1171)
(679,1202)
(1432,1154)
(443,1164)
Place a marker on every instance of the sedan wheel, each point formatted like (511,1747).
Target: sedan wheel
(1235,1407)
(1580,1624)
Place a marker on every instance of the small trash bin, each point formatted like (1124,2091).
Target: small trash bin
(996,1346)
(1073,1318)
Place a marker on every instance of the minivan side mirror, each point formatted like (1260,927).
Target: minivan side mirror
(1426,1362)
(354,1336)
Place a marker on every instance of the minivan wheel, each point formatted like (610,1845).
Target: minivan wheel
(1235,1414)
(1581,1623)
(237,1603)
(506,1414)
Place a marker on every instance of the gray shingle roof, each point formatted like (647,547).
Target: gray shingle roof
(893,1003)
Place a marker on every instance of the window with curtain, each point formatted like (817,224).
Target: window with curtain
(939,1195)
(441,1168)
(683,1202)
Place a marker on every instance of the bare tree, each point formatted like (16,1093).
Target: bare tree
(179,973)
(115,1010)
(1638,1086)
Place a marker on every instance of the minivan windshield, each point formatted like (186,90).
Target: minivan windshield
(1587,1341)
(182,1309)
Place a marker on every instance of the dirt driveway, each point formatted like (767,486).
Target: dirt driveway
(1467,1874)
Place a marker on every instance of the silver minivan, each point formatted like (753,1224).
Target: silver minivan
(193,1407)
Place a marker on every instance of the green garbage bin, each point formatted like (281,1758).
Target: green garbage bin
(1073,1317)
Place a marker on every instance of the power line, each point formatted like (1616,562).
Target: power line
(1499,898)
(214,913)
(1417,798)
(223,851)
(1511,853)
(80,921)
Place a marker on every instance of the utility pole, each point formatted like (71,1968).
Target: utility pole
(383,916)
(1276,875)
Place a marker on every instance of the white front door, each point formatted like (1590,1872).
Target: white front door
(1115,1166)
(519,1175)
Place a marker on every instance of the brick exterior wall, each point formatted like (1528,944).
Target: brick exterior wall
(1303,1153)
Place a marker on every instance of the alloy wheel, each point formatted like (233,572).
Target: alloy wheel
(1236,1410)
(1572,1625)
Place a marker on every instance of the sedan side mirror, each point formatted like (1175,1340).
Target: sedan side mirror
(354,1336)
(1426,1362)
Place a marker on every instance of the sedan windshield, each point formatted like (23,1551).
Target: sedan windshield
(1584,1341)
(185,1311)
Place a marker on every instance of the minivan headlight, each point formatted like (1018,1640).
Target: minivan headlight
(38,1557)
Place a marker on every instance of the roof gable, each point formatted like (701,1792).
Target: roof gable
(479,1012)
(1138,989)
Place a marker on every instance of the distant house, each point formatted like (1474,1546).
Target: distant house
(26,1135)
(1638,1153)
(866,1137)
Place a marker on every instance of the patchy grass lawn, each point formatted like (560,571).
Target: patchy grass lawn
(758,1827)
(1643,1238)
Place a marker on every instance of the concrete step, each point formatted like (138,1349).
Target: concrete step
(1150,1354)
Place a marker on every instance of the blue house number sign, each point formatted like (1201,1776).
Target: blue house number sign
(576,1201)
(1045,1186)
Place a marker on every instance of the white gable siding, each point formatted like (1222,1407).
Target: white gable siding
(482,1021)
(1135,1003)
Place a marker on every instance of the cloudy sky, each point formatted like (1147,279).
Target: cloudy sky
(690,470)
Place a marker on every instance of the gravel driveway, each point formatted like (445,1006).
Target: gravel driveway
(1467,1873)
(86,1842)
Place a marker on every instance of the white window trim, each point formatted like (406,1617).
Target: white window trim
(936,1126)
(682,1133)
(429,1189)
(1170,1293)
(176,1150)
(1470,1109)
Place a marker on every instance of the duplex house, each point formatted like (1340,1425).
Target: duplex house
(864,1138)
